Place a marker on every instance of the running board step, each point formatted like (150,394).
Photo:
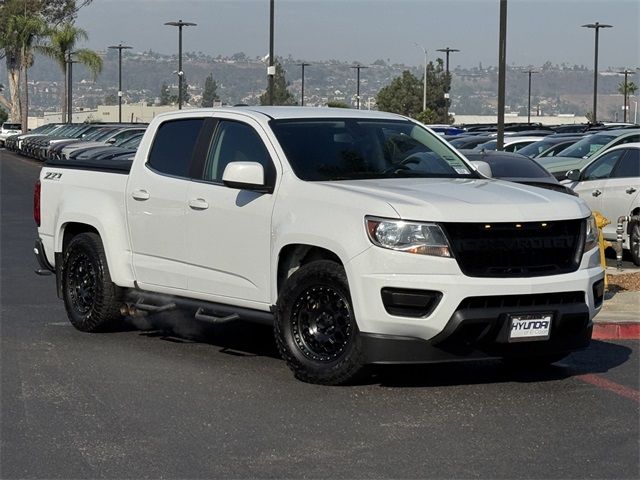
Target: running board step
(200,315)
(145,307)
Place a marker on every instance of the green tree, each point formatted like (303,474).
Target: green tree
(111,99)
(404,95)
(210,92)
(281,93)
(52,12)
(62,44)
(165,96)
(3,115)
(627,90)
(337,104)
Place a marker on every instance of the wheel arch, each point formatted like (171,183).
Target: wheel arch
(292,256)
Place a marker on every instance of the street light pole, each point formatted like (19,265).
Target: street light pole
(70,61)
(424,78)
(596,26)
(358,68)
(303,64)
(626,73)
(530,72)
(180,24)
(271,70)
(447,51)
(502,73)
(119,47)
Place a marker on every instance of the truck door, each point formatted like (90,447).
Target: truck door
(229,230)
(156,201)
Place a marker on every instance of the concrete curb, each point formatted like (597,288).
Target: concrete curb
(616,331)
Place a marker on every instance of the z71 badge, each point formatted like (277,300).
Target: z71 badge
(52,176)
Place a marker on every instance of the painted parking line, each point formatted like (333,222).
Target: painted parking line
(610,386)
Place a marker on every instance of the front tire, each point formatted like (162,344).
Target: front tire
(315,326)
(634,242)
(91,299)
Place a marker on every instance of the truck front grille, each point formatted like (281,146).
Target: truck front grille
(530,249)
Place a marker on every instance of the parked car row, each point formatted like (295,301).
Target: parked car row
(70,141)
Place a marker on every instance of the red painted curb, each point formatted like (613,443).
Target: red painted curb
(616,331)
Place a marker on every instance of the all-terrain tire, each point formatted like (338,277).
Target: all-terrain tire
(91,299)
(315,326)
(634,242)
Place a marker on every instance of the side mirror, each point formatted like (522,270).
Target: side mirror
(573,175)
(111,141)
(483,167)
(245,176)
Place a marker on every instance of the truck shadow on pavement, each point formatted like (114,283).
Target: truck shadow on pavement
(250,340)
(600,357)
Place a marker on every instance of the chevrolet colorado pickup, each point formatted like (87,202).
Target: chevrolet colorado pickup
(362,237)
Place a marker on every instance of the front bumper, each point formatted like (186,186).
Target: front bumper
(458,329)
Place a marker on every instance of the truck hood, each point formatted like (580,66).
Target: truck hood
(467,200)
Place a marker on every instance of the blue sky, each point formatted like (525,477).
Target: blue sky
(366,30)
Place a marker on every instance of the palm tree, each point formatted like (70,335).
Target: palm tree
(62,43)
(26,32)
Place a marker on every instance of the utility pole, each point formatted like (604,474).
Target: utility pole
(119,47)
(180,24)
(358,68)
(447,51)
(626,74)
(424,78)
(302,93)
(271,69)
(502,73)
(530,72)
(596,26)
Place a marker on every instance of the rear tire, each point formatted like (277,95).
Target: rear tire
(315,326)
(634,242)
(91,299)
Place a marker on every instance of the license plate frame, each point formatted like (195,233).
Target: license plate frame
(531,327)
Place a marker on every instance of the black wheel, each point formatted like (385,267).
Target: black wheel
(315,327)
(634,242)
(533,362)
(91,299)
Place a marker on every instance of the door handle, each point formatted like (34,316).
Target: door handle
(198,204)
(630,190)
(596,193)
(140,194)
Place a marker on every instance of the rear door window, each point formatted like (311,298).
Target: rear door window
(629,165)
(174,145)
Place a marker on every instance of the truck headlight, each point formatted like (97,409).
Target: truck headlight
(411,237)
(591,234)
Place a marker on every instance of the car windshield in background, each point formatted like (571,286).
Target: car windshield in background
(536,148)
(352,149)
(587,146)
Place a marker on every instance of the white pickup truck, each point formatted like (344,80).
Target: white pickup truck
(362,237)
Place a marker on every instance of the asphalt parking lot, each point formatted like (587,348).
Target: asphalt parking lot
(171,398)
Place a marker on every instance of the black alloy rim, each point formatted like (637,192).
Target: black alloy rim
(322,325)
(82,282)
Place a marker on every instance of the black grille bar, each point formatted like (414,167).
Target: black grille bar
(516,249)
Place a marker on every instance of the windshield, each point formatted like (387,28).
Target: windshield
(587,146)
(490,145)
(536,148)
(351,149)
(129,142)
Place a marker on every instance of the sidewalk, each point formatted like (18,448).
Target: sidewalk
(620,314)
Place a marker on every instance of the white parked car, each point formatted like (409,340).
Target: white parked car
(610,184)
(9,129)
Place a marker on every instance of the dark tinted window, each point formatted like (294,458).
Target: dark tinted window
(236,142)
(173,146)
(357,148)
(629,166)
